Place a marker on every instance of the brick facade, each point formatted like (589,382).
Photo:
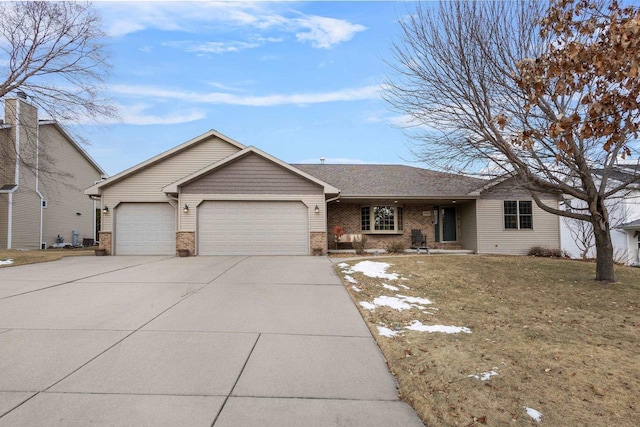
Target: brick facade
(186,240)
(347,215)
(105,241)
(318,240)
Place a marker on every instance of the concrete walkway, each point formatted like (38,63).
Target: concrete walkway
(202,341)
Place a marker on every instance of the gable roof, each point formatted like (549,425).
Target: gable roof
(394,181)
(73,142)
(173,187)
(95,189)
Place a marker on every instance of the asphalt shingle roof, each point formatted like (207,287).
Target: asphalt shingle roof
(392,180)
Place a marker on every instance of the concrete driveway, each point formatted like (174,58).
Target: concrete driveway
(202,341)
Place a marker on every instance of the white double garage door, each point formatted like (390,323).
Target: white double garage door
(223,228)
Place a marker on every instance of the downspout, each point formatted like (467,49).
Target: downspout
(38,179)
(177,200)
(9,220)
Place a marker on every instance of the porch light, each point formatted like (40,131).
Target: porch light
(185,209)
(105,209)
(317,209)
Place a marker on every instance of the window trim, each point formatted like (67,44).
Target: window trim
(518,216)
(398,219)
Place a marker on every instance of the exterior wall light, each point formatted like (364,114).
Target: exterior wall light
(317,209)
(105,209)
(185,209)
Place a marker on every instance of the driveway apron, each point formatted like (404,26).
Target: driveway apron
(199,341)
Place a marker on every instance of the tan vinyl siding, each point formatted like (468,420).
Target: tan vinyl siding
(26,219)
(187,221)
(494,239)
(63,191)
(4,206)
(468,226)
(146,185)
(252,174)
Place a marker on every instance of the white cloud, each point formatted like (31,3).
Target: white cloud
(202,17)
(138,114)
(211,47)
(352,94)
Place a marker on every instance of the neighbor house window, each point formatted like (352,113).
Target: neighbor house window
(518,215)
(383,219)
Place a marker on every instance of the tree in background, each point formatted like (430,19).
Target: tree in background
(548,92)
(54,52)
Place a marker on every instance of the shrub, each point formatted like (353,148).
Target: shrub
(541,251)
(359,245)
(395,246)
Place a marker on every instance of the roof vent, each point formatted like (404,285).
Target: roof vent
(21,95)
(322,159)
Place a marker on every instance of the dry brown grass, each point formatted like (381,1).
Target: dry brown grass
(562,343)
(35,256)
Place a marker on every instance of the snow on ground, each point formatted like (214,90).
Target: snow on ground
(484,376)
(537,416)
(415,300)
(400,302)
(350,279)
(386,332)
(355,288)
(6,262)
(390,287)
(375,269)
(367,305)
(416,325)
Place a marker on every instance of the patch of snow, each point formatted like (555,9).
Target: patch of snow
(484,376)
(416,325)
(343,265)
(405,287)
(367,305)
(6,262)
(392,302)
(375,269)
(390,287)
(415,300)
(355,288)
(386,332)
(350,279)
(403,278)
(535,415)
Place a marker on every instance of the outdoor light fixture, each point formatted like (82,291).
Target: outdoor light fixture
(105,209)
(317,210)
(185,209)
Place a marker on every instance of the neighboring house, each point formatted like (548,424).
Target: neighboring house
(42,174)
(624,219)
(213,196)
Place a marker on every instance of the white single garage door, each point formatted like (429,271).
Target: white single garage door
(253,228)
(145,229)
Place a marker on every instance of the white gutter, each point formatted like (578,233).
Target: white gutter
(9,220)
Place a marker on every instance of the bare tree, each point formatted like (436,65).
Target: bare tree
(55,53)
(488,84)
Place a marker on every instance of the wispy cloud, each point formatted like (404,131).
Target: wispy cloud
(139,114)
(211,47)
(351,94)
(320,31)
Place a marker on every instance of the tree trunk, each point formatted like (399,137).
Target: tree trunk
(604,252)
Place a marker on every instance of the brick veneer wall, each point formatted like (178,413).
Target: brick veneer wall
(105,241)
(318,240)
(186,240)
(347,215)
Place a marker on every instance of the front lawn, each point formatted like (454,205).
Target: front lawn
(479,340)
(12,257)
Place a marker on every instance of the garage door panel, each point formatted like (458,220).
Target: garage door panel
(253,228)
(145,229)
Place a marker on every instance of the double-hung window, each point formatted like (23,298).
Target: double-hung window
(518,215)
(381,219)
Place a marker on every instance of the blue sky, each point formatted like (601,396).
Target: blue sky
(299,80)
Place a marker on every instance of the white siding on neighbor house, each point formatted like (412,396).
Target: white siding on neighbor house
(317,221)
(633,251)
(63,191)
(146,185)
(252,228)
(493,238)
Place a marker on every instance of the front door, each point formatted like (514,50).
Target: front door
(449,226)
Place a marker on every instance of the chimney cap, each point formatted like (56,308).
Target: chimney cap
(322,159)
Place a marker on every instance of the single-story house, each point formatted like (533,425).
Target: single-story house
(213,196)
(43,172)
